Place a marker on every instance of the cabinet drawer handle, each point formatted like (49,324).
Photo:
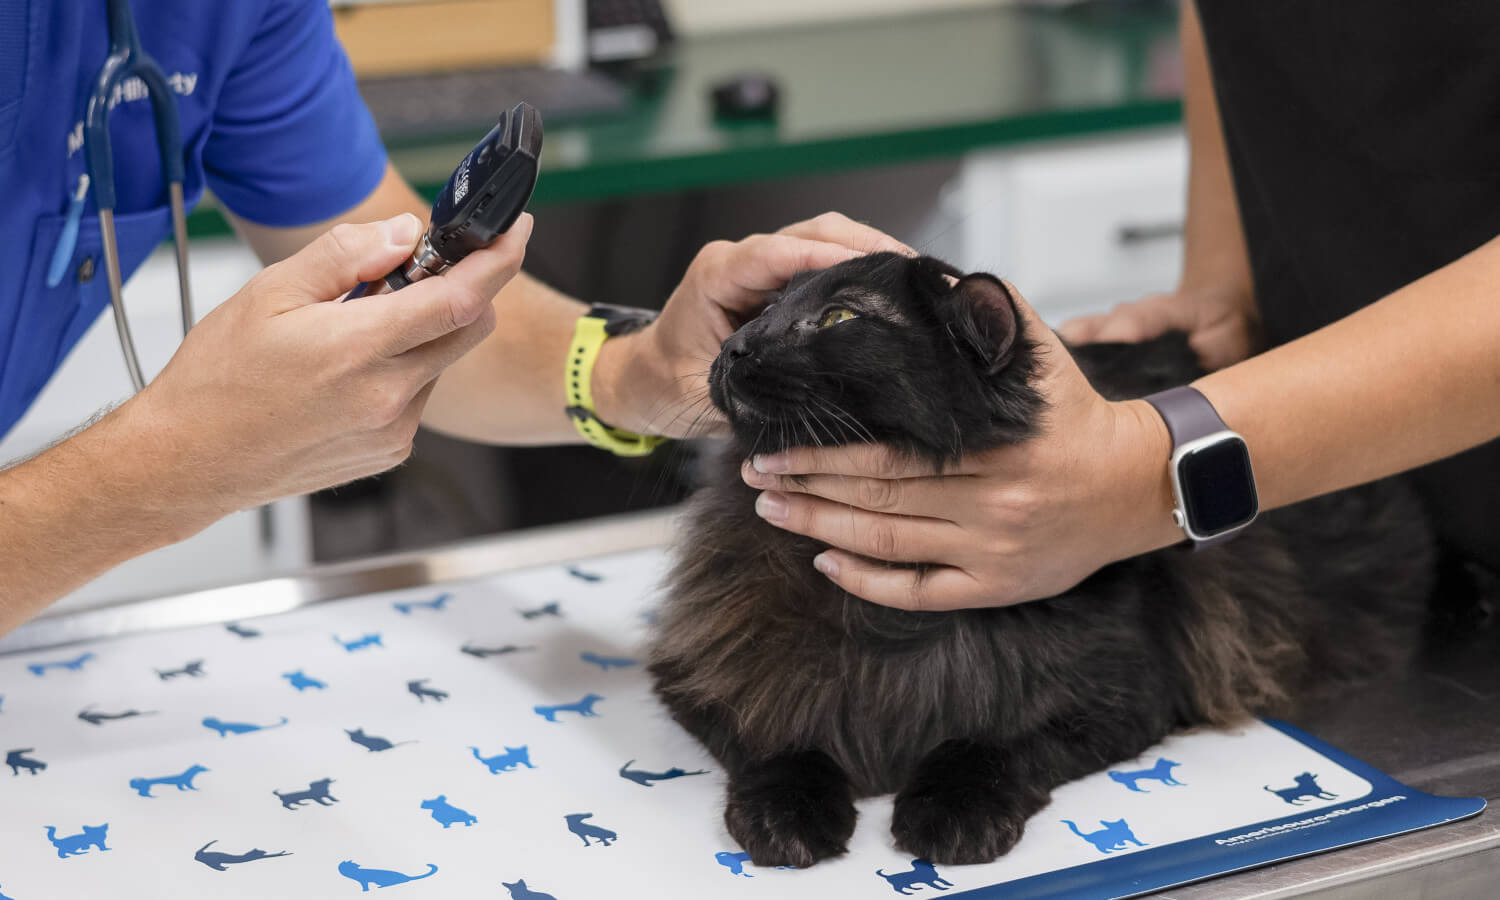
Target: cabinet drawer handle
(1142,233)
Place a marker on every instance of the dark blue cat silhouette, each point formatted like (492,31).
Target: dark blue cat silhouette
(1304,787)
(512,757)
(370,742)
(379,877)
(193,670)
(551,609)
(607,662)
(73,665)
(584,707)
(482,652)
(422,692)
(922,874)
(301,681)
(587,830)
(644,779)
(734,862)
(581,575)
(436,604)
(217,860)
(78,844)
(183,781)
(243,631)
(446,813)
(317,792)
(95,718)
(519,891)
(1161,771)
(17,760)
(369,640)
(1113,836)
(225,729)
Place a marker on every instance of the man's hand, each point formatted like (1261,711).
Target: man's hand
(1014,524)
(656,380)
(280,391)
(1222,325)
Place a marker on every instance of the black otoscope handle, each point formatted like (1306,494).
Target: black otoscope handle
(482,199)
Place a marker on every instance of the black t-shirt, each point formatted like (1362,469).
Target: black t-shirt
(1364,139)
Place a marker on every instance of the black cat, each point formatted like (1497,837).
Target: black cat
(811,698)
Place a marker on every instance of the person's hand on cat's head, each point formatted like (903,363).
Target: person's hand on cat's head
(655,381)
(1018,523)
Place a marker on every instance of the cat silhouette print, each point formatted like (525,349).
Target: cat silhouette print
(183,781)
(581,575)
(17,760)
(422,692)
(505,762)
(607,662)
(436,604)
(301,681)
(370,742)
(589,831)
(1304,787)
(95,718)
(519,891)
(1162,772)
(445,813)
(217,860)
(225,729)
(243,631)
(734,862)
(482,652)
(317,792)
(193,669)
(73,665)
(922,874)
(644,779)
(551,609)
(1113,836)
(369,640)
(78,844)
(584,707)
(379,877)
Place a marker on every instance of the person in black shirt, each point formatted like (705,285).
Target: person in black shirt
(1341,278)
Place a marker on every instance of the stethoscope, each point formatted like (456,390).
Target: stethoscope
(127,59)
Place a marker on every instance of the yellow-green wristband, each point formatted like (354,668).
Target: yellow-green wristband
(588,336)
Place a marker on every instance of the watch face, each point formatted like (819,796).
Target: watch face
(1218,489)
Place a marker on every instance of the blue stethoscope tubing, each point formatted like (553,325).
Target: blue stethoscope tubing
(127,59)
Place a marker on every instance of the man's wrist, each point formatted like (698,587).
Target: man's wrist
(623,372)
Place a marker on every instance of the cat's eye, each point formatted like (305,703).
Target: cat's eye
(836,315)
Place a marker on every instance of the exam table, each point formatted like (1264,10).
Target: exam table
(1435,727)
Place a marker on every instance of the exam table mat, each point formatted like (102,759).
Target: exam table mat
(499,738)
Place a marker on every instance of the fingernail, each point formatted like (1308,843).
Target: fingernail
(774,464)
(771,506)
(402,231)
(751,476)
(826,564)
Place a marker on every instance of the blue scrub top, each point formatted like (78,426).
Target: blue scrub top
(272,123)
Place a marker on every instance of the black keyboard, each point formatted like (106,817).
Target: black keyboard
(451,103)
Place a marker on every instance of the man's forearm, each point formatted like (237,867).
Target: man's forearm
(105,495)
(1406,381)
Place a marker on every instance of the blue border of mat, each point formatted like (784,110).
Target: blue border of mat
(1199,858)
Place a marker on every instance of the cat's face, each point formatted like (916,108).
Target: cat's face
(882,348)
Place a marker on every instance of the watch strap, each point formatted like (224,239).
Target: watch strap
(1189,416)
(599,324)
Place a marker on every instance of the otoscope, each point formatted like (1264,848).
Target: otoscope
(482,199)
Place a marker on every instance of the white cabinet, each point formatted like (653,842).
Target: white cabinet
(243,546)
(1077,226)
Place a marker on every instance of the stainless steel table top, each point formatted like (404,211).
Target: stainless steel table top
(1435,726)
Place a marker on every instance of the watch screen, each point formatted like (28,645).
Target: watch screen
(1217,486)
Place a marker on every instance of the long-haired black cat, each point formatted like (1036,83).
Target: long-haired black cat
(811,698)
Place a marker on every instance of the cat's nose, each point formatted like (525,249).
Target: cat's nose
(737,347)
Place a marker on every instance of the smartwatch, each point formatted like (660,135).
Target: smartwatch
(1212,482)
(594,327)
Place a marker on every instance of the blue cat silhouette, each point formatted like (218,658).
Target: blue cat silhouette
(369,640)
(243,631)
(923,873)
(317,792)
(446,813)
(551,609)
(370,742)
(379,877)
(78,844)
(587,830)
(519,891)
(1161,771)
(436,604)
(1113,836)
(422,692)
(1304,787)
(225,729)
(74,665)
(584,707)
(607,662)
(644,779)
(482,652)
(183,781)
(734,862)
(581,575)
(193,669)
(512,757)
(301,681)
(217,860)
(17,760)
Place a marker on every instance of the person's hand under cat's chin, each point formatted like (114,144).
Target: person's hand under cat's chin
(655,381)
(1014,524)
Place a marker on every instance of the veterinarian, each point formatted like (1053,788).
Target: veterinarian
(1341,278)
(279,391)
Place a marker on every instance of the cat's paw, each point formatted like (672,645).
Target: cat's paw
(957,809)
(792,810)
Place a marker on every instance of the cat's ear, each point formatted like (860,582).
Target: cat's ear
(982,317)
